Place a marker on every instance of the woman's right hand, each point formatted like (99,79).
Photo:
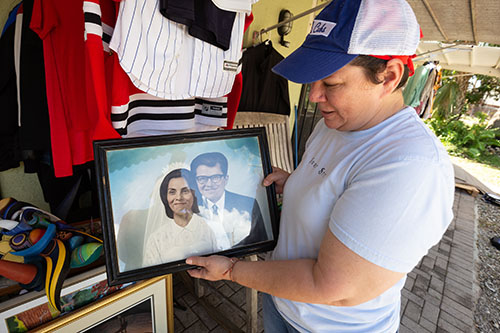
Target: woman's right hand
(278,177)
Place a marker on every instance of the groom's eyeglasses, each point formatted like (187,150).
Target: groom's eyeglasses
(215,179)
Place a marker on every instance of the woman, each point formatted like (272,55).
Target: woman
(374,189)
(182,232)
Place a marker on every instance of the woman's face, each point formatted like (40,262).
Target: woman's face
(179,196)
(348,101)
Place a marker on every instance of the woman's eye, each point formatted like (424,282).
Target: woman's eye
(171,192)
(331,85)
(185,191)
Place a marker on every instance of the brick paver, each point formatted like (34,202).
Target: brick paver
(438,295)
(446,302)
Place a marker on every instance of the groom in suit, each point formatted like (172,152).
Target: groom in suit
(236,219)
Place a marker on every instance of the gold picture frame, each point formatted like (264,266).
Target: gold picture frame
(157,291)
(31,310)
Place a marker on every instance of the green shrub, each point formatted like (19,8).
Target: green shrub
(470,141)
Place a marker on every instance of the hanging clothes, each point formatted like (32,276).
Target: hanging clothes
(134,112)
(34,125)
(9,143)
(204,20)
(25,108)
(234,97)
(59,25)
(263,90)
(416,83)
(162,59)
(427,95)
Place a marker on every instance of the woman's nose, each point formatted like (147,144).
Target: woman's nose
(317,92)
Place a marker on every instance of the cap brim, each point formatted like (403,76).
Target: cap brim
(306,65)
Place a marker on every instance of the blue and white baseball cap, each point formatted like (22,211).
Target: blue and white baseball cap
(345,29)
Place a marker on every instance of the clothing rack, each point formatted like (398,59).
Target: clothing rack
(456,43)
(256,34)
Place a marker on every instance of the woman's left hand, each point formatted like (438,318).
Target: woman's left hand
(211,268)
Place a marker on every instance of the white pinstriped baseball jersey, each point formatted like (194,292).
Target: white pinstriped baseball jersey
(133,112)
(162,59)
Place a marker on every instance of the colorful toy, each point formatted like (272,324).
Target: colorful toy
(37,249)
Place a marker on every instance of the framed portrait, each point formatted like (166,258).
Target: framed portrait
(29,311)
(166,198)
(146,306)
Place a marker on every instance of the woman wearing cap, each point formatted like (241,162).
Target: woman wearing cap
(374,189)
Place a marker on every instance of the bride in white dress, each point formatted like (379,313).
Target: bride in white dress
(180,231)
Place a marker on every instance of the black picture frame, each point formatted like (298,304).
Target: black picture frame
(130,173)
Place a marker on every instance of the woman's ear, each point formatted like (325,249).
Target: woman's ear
(393,74)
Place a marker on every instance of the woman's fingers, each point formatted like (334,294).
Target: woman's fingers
(197,273)
(210,268)
(197,261)
(279,177)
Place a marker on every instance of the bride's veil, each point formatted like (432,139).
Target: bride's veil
(157,216)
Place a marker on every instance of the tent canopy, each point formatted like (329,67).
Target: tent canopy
(473,21)
(455,31)
(467,58)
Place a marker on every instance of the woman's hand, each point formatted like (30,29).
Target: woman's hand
(211,268)
(278,177)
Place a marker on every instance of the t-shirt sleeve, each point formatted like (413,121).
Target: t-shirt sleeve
(44,17)
(391,214)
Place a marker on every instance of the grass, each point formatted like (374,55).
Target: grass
(491,160)
(485,167)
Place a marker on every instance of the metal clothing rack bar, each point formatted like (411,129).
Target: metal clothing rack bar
(293,18)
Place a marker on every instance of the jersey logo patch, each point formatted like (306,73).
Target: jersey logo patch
(212,110)
(322,28)
(230,66)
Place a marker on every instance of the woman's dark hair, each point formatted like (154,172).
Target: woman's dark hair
(177,173)
(374,66)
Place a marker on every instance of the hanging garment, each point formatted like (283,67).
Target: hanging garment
(34,125)
(427,93)
(204,20)
(233,100)
(413,89)
(234,97)
(60,25)
(162,59)
(263,90)
(9,150)
(96,55)
(135,113)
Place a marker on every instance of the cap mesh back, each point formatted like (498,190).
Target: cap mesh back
(385,27)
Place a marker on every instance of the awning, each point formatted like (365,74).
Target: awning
(472,21)
(467,58)
(456,31)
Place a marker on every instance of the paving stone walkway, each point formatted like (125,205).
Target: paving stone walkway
(438,296)
(440,292)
